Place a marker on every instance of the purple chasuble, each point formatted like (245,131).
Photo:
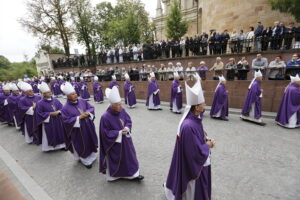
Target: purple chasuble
(13,100)
(202,71)
(55,87)
(253,96)
(30,120)
(98,94)
(4,114)
(121,156)
(220,102)
(112,84)
(84,138)
(290,104)
(84,92)
(152,87)
(54,129)
(189,157)
(76,87)
(129,94)
(176,95)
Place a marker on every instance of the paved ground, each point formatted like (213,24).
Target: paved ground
(249,161)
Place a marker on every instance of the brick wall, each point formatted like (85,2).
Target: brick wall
(273,91)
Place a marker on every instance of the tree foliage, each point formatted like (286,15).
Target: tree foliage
(49,19)
(12,71)
(175,26)
(287,6)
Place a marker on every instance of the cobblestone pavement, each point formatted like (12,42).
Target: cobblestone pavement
(249,161)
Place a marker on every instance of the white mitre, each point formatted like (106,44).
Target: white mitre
(96,78)
(194,96)
(126,76)
(152,75)
(113,95)
(114,77)
(296,78)
(6,86)
(25,86)
(176,74)
(257,74)
(13,87)
(67,88)
(43,87)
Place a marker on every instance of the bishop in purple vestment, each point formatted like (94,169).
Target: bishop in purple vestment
(252,105)
(117,153)
(84,91)
(113,82)
(27,111)
(289,111)
(97,88)
(219,108)
(4,114)
(12,101)
(129,95)
(189,175)
(78,119)
(48,117)
(176,95)
(153,100)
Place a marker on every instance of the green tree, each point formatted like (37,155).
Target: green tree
(49,19)
(12,71)
(50,49)
(287,6)
(82,16)
(175,26)
(126,23)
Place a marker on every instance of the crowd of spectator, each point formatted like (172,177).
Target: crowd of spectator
(258,39)
(277,69)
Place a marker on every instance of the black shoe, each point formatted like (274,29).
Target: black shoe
(88,166)
(225,119)
(139,178)
(159,109)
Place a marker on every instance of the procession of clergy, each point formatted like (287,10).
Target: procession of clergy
(44,120)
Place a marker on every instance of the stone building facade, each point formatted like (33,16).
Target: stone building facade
(205,15)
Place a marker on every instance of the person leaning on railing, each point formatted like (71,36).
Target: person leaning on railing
(293,66)
(260,63)
(242,69)
(230,68)
(217,68)
(276,69)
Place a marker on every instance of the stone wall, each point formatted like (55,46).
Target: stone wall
(237,15)
(272,92)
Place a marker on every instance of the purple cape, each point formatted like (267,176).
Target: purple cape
(30,120)
(253,97)
(55,87)
(122,156)
(202,71)
(98,95)
(34,85)
(55,131)
(13,108)
(84,93)
(129,96)
(4,114)
(176,95)
(190,154)
(220,102)
(83,139)
(112,84)
(76,87)
(152,87)
(290,104)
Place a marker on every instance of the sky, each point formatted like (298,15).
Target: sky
(15,41)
